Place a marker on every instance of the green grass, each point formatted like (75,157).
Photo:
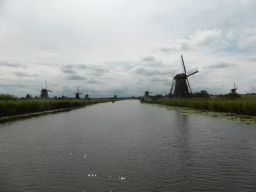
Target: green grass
(245,105)
(10,107)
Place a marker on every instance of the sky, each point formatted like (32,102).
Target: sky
(126,47)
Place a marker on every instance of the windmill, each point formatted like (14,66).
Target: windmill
(147,93)
(63,96)
(44,92)
(234,89)
(77,94)
(115,95)
(180,84)
(87,95)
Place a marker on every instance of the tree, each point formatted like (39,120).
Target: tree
(29,96)
(201,94)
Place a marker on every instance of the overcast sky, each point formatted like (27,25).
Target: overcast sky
(124,46)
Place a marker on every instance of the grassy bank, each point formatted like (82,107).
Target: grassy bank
(245,105)
(10,107)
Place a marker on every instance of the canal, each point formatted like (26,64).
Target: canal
(127,146)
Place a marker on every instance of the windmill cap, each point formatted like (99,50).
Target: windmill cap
(180,76)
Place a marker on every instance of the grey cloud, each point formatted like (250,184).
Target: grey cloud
(150,70)
(92,69)
(92,80)
(99,68)
(165,49)
(77,77)
(220,65)
(96,74)
(157,79)
(67,70)
(144,71)
(23,74)
(193,42)
(7,64)
(251,59)
(149,58)
(127,65)
(13,85)
(69,66)
(82,66)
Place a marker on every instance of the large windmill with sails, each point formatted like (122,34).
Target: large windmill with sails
(44,92)
(86,95)
(147,93)
(78,94)
(234,89)
(180,85)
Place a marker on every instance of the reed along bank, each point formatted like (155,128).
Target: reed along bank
(14,106)
(245,105)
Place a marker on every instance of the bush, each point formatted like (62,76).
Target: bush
(201,94)
(8,98)
(17,107)
(231,96)
(246,106)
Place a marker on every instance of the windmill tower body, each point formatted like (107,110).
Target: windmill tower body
(146,93)
(180,85)
(44,93)
(181,88)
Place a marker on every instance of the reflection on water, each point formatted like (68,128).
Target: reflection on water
(181,137)
(127,146)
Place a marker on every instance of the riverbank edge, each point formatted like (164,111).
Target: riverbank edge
(237,118)
(36,114)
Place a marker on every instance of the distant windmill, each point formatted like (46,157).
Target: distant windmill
(147,93)
(180,84)
(44,92)
(234,89)
(77,94)
(115,95)
(87,95)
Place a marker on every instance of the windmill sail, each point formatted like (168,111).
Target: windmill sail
(173,83)
(183,65)
(192,72)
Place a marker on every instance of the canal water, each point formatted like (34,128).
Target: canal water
(127,146)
